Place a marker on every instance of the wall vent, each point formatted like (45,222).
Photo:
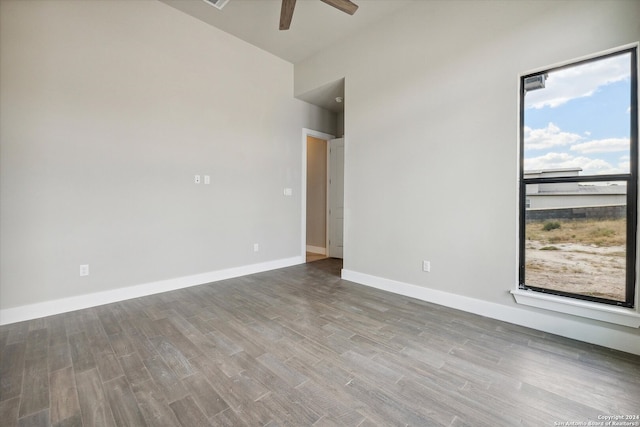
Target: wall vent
(219,4)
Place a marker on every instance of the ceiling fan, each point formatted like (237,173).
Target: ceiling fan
(286,13)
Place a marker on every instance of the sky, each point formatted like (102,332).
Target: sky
(581,119)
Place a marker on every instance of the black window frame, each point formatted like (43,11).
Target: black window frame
(630,178)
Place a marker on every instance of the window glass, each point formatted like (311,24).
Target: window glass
(578,179)
(578,243)
(580,118)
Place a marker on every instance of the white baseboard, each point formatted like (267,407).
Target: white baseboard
(573,328)
(316,250)
(64,305)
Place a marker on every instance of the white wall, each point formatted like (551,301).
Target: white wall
(432,116)
(109,109)
(340,125)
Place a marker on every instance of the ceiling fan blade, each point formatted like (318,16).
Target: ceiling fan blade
(344,5)
(286,13)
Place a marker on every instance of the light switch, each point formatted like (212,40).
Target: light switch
(84,269)
(207,180)
(288,191)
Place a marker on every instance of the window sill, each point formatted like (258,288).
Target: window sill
(591,310)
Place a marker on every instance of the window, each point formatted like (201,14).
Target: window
(578,179)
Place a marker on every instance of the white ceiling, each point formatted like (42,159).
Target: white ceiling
(315,26)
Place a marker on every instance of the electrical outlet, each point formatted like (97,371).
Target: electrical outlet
(426,266)
(256,247)
(196,179)
(84,270)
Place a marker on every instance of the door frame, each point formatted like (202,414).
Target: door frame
(303,188)
(329,166)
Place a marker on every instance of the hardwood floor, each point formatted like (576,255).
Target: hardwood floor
(312,257)
(301,347)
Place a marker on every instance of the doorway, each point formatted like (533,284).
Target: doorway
(322,201)
(317,180)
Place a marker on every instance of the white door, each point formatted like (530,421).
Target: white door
(336,197)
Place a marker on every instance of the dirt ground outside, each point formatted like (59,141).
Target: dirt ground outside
(583,257)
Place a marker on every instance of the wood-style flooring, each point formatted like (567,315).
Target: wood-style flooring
(312,257)
(301,347)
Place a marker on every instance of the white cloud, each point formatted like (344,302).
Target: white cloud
(551,136)
(602,146)
(552,161)
(565,160)
(600,167)
(570,150)
(624,163)
(625,166)
(579,81)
